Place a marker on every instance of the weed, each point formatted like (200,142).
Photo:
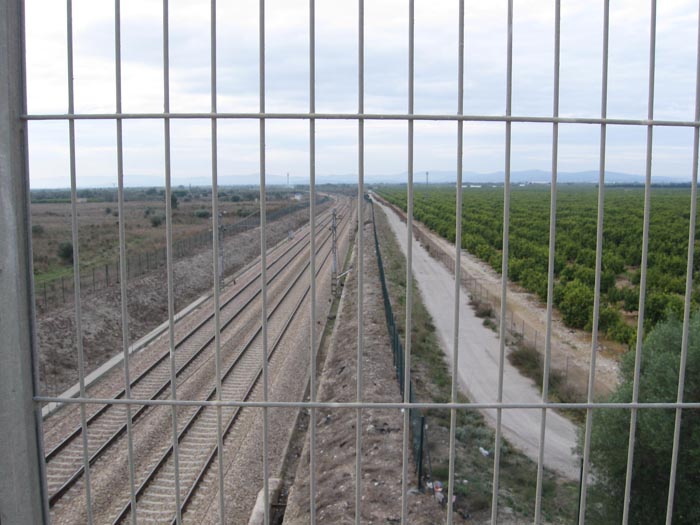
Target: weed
(432,382)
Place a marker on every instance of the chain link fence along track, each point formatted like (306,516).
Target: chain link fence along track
(56,292)
(417,419)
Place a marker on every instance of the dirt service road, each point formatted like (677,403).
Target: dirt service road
(478,363)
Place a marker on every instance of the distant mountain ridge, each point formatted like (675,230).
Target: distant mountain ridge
(528,176)
(435,177)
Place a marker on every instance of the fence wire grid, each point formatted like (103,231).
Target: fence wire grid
(24,496)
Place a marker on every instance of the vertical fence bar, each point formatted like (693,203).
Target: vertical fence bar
(122,253)
(76,260)
(688,292)
(169,255)
(458,269)
(504,267)
(599,255)
(360,249)
(312,259)
(409,271)
(216,251)
(23,493)
(550,265)
(263,262)
(643,275)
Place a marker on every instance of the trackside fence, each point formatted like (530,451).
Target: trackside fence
(99,277)
(486,299)
(417,419)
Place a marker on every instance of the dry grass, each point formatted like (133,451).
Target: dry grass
(98,229)
(473,471)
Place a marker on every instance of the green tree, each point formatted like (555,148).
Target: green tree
(576,303)
(654,434)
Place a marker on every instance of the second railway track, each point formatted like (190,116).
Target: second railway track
(107,424)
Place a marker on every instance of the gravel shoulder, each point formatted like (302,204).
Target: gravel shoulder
(147,307)
(381,429)
(479,360)
(288,378)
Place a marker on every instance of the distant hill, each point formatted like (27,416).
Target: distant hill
(435,177)
(523,177)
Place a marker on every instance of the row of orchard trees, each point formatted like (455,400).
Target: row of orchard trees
(575,247)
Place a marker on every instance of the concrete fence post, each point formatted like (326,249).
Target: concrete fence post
(22,490)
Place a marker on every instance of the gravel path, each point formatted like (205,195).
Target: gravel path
(478,363)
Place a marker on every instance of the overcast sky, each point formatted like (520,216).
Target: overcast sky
(386,86)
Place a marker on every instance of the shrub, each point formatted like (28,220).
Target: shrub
(576,304)
(156,220)
(658,381)
(65,252)
(482,309)
(37,229)
(202,214)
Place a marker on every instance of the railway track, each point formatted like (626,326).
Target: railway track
(65,465)
(197,441)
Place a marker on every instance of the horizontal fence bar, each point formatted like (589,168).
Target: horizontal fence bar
(364,404)
(368,116)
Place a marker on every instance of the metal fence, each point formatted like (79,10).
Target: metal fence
(415,416)
(23,494)
(57,291)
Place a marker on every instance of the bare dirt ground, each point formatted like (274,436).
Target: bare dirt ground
(382,429)
(147,307)
(571,349)
(242,447)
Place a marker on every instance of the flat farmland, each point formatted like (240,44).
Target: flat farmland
(98,227)
(575,247)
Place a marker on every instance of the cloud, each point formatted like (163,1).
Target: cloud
(385,84)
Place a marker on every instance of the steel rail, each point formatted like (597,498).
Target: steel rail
(210,459)
(212,393)
(73,478)
(50,455)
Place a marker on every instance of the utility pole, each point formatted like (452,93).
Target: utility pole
(287,179)
(426,179)
(334,250)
